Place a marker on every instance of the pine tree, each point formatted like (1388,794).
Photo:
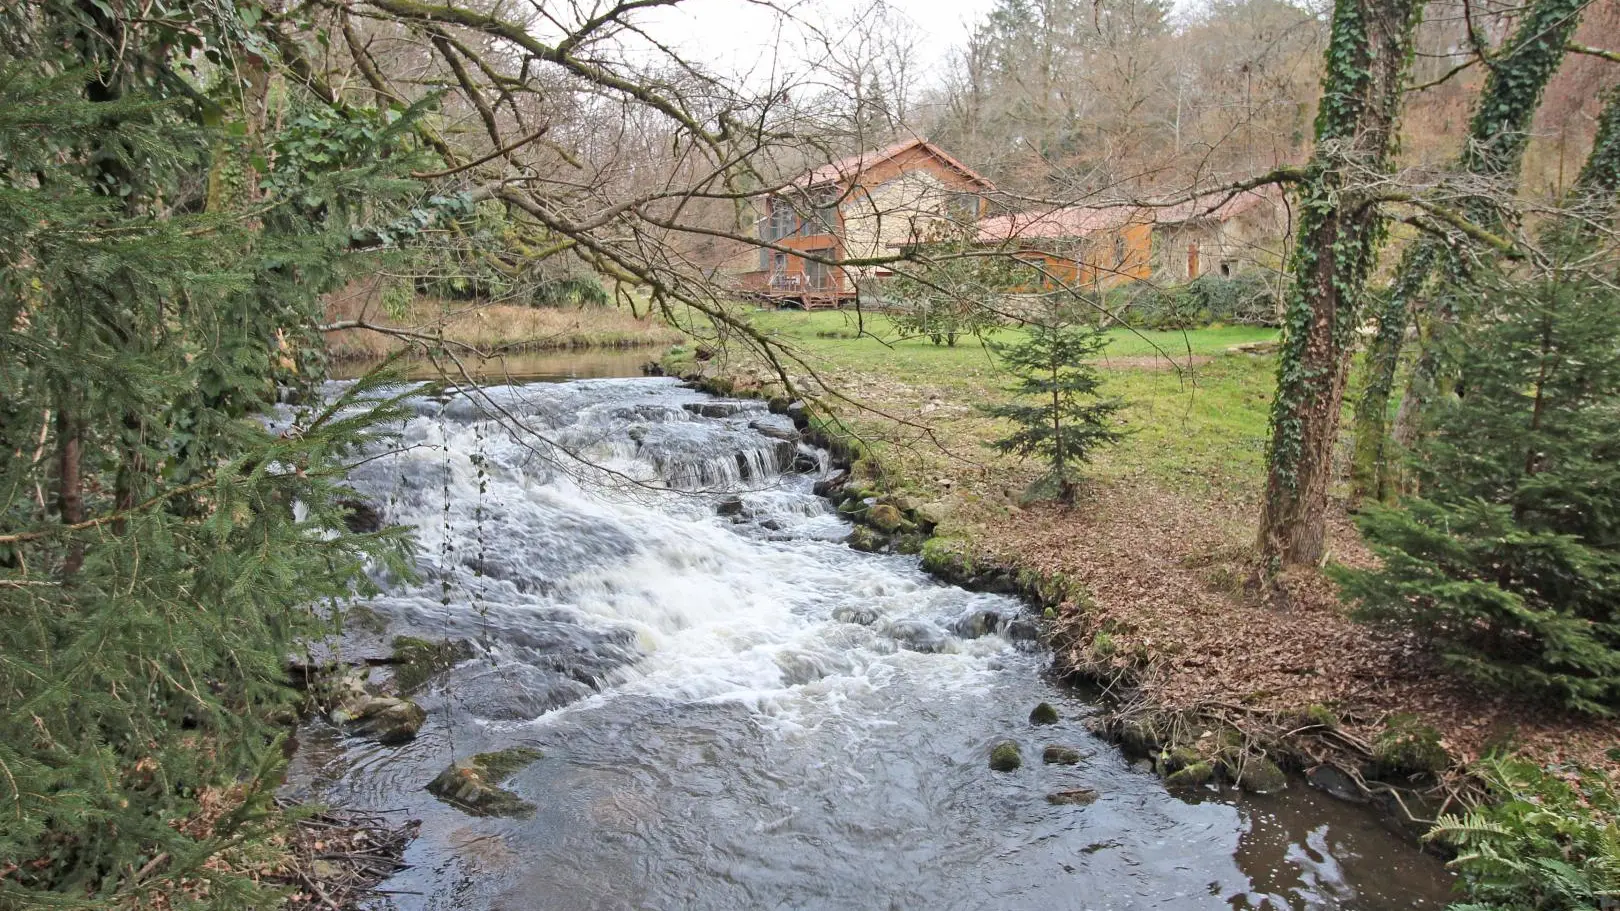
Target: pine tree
(1065,420)
(1509,563)
(162,549)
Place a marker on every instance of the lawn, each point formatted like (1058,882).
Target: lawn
(1196,412)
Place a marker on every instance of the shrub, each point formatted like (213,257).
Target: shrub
(1247,298)
(574,291)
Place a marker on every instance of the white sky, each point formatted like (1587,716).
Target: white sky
(741,36)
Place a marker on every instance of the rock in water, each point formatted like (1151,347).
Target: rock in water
(1005,757)
(473,784)
(388,721)
(1077,797)
(1043,714)
(1060,755)
(1193,775)
(416,660)
(1261,776)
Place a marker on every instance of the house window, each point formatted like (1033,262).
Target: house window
(782,222)
(1226,270)
(778,261)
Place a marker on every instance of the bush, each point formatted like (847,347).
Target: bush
(574,291)
(1547,843)
(1247,298)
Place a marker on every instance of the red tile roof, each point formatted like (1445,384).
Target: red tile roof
(849,169)
(1080,221)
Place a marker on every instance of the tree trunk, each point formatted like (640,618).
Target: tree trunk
(1369,50)
(1368,474)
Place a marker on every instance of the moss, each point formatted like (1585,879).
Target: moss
(1194,775)
(1005,756)
(1408,747)
(1176,759)
(1319,715)
(473,784)
(863,538)
(1043,713)
(1139,738)
(1261,776)
(417,660)
(365,619)
(886,518)
(1103,645)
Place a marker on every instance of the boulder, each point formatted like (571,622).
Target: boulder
(885,518)
(864,616)
(975,624)
(417,660)
(1076,797)
(361,517)
(473,784)
(1043,714)
(865,539)
(1005,756)
(1055,754)
(831,482)
(387,720)
(730,506)
(1261,776)
(1194,775)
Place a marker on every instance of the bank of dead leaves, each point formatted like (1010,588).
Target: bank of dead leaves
(1167,578)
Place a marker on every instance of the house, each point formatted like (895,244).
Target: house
(864,206)
(1076,247)
(1227,234)
(1101,247)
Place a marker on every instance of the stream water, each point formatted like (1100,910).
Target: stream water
(739,711)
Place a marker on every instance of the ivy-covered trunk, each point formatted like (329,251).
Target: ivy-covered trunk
(1340,231)
(1494,150)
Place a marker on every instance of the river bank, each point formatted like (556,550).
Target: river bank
(471,329)
(1152,562)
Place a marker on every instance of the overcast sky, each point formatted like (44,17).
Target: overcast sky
(739,36)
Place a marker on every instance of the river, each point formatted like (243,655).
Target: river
(740,712)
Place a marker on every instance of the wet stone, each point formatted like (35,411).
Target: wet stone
(1056,754)
(473,784)
(1005,756)
(1043,714)
(1074,797)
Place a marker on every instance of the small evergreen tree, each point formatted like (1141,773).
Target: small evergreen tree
(1509,562)
(1065,419)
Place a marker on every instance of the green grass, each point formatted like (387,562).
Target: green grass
(1199,428)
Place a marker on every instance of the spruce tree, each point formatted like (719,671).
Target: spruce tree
(163,249)
(1509,562)
(1062,419)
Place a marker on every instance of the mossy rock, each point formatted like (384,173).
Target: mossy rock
(1193,775)
(1043,714)
(1261,776)
(1408,747)
(863,538)
(417,660)
(1005,756)
(1056,754)
(886,518)
(473,784)
(388,721)
(1074,797)
(1175,759)
(1139,738)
